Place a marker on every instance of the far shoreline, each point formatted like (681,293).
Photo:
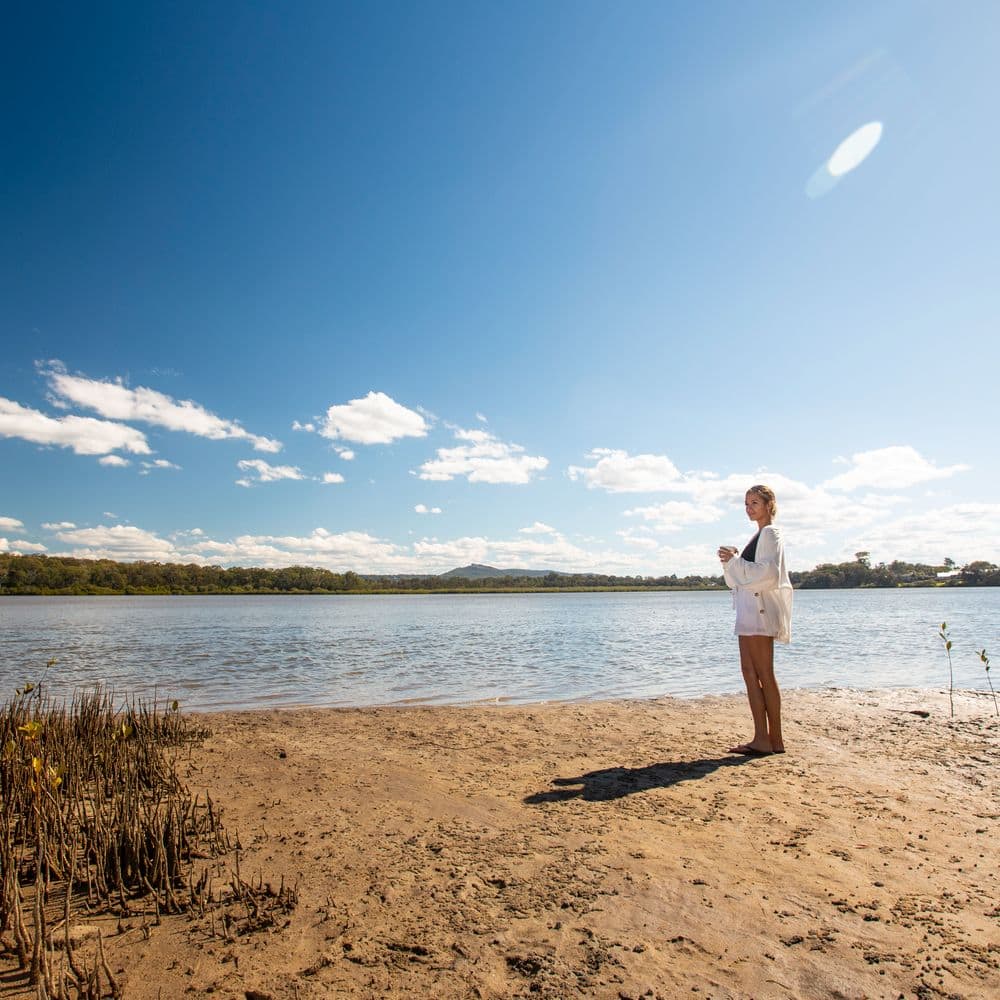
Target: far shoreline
(468,592)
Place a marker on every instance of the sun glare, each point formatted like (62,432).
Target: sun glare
(855,149)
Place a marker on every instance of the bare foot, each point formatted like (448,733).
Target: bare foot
(749,748)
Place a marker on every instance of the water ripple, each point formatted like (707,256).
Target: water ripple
(214,653)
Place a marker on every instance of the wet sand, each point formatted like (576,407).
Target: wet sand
(601,850)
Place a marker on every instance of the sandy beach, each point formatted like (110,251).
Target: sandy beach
(599,849)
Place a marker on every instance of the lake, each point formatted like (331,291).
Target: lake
(261,651)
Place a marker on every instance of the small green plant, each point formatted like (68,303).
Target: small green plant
(981,653)
(943,633)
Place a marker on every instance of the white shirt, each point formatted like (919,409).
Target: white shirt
(762,591)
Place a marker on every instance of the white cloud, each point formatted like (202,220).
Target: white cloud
(638,541)
(85,435)
(963,532)
(619,472)
(114,460)
(267,473)
(58,525)
(685,560)
(11,524)
(20,546)
(421,508)
(117,402)
(244,482)
(812,514)
(538,528)
(347,454)
(677,514)
(354,550)
(481,418)
(516,553)
(121,542)
(308,426)
(332,477)
(484,460)
(893,468)
(374,419)
(160,463)
(188,533)
(4,545)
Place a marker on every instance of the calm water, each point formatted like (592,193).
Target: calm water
(242,652)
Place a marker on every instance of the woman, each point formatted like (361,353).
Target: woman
(762,596)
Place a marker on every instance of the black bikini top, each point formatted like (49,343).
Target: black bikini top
(750,552)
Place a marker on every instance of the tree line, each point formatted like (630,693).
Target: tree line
(53,575)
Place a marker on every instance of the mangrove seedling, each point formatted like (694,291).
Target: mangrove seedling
(981,653)
(943,633)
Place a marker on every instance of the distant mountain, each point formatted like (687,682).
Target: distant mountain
(476,571)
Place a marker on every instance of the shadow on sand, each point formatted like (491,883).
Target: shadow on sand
(617,782)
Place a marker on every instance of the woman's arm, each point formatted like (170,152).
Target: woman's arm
(763,572)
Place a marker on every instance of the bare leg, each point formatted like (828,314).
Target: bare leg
(757,663)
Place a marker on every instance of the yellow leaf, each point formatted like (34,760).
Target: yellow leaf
(36,765)
(31,729)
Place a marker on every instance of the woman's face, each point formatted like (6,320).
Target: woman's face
(757,509)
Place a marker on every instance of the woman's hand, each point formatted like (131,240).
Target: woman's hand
(726,552)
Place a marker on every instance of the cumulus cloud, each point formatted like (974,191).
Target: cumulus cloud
(349,550)
(619,472)
(331,478)
(266,473)
(347,454)
(188,533)
(515,553)
(117,402)
(21,546)
(373,419)
(85,435)
(813,514)
(160,463)
(893,468)
(11,524)
(308,426)
(676,514)
(58,525)
(637,540)
(120,542)
(538,528)
(484,459)
(963,532)
(422,508)
(115,461)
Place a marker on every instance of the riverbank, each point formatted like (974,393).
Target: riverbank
(601,849)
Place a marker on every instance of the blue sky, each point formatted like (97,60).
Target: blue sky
(397,287)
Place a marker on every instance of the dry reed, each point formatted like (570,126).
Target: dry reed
(94,818)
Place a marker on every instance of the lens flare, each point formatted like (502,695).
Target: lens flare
(855,149)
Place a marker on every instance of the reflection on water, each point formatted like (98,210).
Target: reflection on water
(242,652)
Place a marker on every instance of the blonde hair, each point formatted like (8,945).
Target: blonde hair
(767,495)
